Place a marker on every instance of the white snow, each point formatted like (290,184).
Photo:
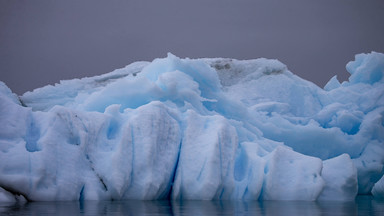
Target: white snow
(196,129)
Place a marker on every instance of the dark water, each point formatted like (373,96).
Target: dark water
(364,205)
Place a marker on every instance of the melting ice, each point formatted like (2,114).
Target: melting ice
(196,129)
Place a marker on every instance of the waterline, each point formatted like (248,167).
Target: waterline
(363,205)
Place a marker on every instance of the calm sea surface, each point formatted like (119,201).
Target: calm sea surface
(364,205)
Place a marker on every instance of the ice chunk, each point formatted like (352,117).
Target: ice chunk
(292,176)
(287,88)
(6,94)
(249,171)
(310,138)
(6,197)
(205,167)
(77,155)
(340,176)
(367,68)
(233,71)
(332,84)
(70,93)
(378,189)
(370,166)
(156,139)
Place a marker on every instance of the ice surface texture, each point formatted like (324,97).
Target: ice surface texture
(196,129)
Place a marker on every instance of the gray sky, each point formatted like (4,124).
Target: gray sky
(44,41)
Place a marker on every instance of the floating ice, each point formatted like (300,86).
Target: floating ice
(196,129)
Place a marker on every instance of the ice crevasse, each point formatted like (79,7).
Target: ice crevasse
(196,129)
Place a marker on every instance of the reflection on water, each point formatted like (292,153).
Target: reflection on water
(364,205)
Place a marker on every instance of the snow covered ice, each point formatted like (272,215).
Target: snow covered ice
(196,129)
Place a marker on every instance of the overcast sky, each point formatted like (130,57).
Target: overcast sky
(44,41)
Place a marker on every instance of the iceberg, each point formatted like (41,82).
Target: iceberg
(196,129)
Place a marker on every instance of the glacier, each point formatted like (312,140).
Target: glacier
(197,129)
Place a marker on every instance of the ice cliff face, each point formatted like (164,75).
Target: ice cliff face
(196,129)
